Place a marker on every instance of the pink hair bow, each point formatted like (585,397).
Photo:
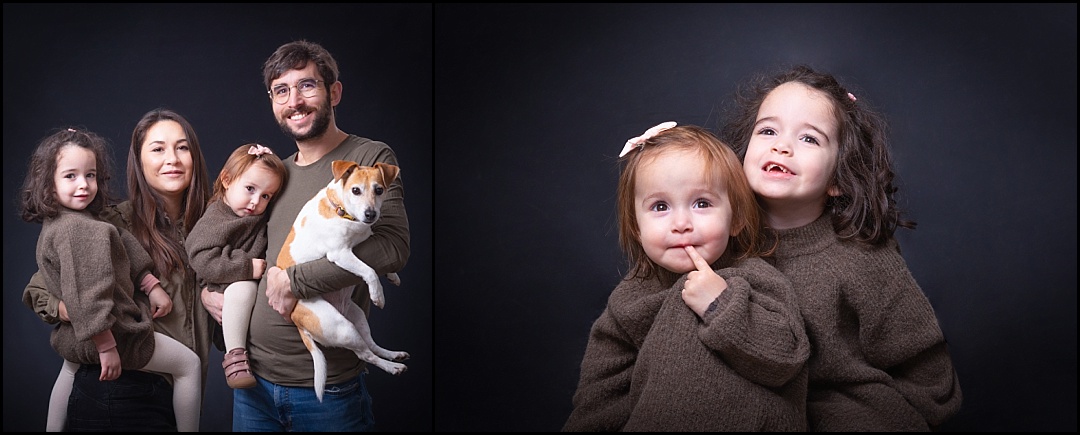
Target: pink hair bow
(636,142)
(258,150)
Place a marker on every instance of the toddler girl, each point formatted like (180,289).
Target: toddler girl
(817,158)
(94,268)
(702,334)
(227,245)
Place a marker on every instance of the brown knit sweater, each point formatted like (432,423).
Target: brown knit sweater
(879,361)
(188,322)
(221,245)
(91,266)
(652,365)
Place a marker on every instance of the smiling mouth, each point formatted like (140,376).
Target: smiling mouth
(773,167)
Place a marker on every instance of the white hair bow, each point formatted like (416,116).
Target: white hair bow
(258,150)
(636,142)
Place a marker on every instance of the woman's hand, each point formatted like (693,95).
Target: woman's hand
(62,312)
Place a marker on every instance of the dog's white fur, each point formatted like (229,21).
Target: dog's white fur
(330,225)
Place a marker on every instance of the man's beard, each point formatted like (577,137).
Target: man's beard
(318,126)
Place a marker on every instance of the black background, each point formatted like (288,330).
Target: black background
(530,108)
(533,104)
(103,66)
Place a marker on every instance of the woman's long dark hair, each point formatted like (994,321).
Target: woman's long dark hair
(149,222)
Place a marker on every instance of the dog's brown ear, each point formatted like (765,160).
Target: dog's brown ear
(342,168)
(389,172)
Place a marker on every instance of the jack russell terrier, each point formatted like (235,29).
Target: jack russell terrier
(330,225)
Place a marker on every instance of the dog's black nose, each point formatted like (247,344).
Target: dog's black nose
(369,215)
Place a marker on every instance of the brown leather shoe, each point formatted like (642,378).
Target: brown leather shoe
(237,372)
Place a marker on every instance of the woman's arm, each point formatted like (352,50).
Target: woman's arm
(41,301)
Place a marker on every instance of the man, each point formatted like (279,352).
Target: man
(302,82)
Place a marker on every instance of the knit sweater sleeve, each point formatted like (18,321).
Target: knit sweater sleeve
(602,401)
(87,280)
(757,327)
(37,296)
(899,333)
(214,247)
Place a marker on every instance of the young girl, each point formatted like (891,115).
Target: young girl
(94,268)
(681,347)
(817,158)
(227,245)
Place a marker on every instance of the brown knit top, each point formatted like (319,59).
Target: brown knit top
(221,245)
(652,365)
(879,360)
(92,266)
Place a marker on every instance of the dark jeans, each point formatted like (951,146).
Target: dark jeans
(136,401)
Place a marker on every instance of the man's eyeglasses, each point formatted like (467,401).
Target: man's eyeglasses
(307,88)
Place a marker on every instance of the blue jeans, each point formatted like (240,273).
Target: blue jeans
(267,407)
(136,401)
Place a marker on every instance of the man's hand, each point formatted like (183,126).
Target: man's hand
(703,285)
(279,291)
(61,311)
(213,301)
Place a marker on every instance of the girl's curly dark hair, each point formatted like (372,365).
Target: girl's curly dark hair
(37,198)
(866,210)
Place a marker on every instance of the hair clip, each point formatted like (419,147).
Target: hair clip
(637,142)
(72,130)
(851,96)
(258,150)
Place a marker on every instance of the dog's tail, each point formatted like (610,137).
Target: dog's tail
(318,359)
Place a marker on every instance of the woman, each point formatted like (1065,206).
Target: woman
(168,187)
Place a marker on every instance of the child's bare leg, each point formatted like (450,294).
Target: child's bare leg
(58,401)
(176,359)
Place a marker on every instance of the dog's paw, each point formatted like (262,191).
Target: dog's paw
(375,292)
(393,277)
(400,356)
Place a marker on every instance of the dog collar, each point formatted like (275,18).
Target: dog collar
(341,210)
